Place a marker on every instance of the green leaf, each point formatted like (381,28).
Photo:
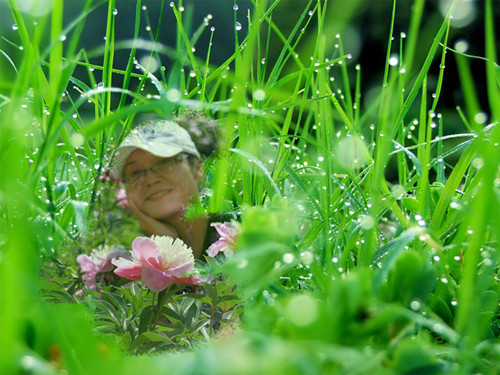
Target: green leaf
(145,319)
(413,356)
(387,255)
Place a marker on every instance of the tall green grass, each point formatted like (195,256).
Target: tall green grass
(394,276)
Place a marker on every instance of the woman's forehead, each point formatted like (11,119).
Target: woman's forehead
(140,156)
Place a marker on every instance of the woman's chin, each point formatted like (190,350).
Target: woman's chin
(166,213)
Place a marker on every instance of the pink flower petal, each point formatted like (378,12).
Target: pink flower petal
(146,251)
(214,248)
(86,263)
(179,270)
(127,268)
(154,278)
(186,280)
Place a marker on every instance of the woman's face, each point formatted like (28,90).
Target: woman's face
(161,193)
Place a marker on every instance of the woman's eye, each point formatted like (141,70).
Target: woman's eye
(164,163)
(136,174)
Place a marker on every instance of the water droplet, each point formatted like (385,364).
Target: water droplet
(148,28)
(115,12)
(77,140)
(259,94)
(288,258)
(415,305)
(307,257)
(311,13)
(438,328)
(367,222)
(237,26)
(14,27)
(235,7)
(461,45)
(477,163)
(173,95)
(393,60)
(144,7)
(212,29)
(480,117)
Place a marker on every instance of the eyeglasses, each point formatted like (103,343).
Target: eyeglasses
(161,168)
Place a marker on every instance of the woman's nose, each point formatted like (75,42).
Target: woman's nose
(151,177)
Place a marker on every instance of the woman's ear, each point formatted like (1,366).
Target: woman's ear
(198,172)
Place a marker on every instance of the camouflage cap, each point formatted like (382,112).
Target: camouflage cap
(163,138)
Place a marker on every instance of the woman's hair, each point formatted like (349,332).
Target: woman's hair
(203,130)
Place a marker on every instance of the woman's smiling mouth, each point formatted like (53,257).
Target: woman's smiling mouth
(158,194)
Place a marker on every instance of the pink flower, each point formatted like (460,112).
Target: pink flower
(159,261)
(99,261)
(121,197)
(229,238)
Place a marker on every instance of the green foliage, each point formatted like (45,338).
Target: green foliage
(341,267)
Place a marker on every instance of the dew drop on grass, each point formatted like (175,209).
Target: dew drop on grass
(307,257)
(237,26)
(115,12)
(181,9)
(212,29)
(480,117)
(302,310)
(288,258)
(148,28)
(461,45)
(144,7)
(366,222)
(393,60)
(235,7)
(259,94)
(438,328)
(415,305)
(310,13)
(477,163)
(14,27)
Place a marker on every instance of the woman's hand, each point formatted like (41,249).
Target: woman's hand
(151,226)
(192,233)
